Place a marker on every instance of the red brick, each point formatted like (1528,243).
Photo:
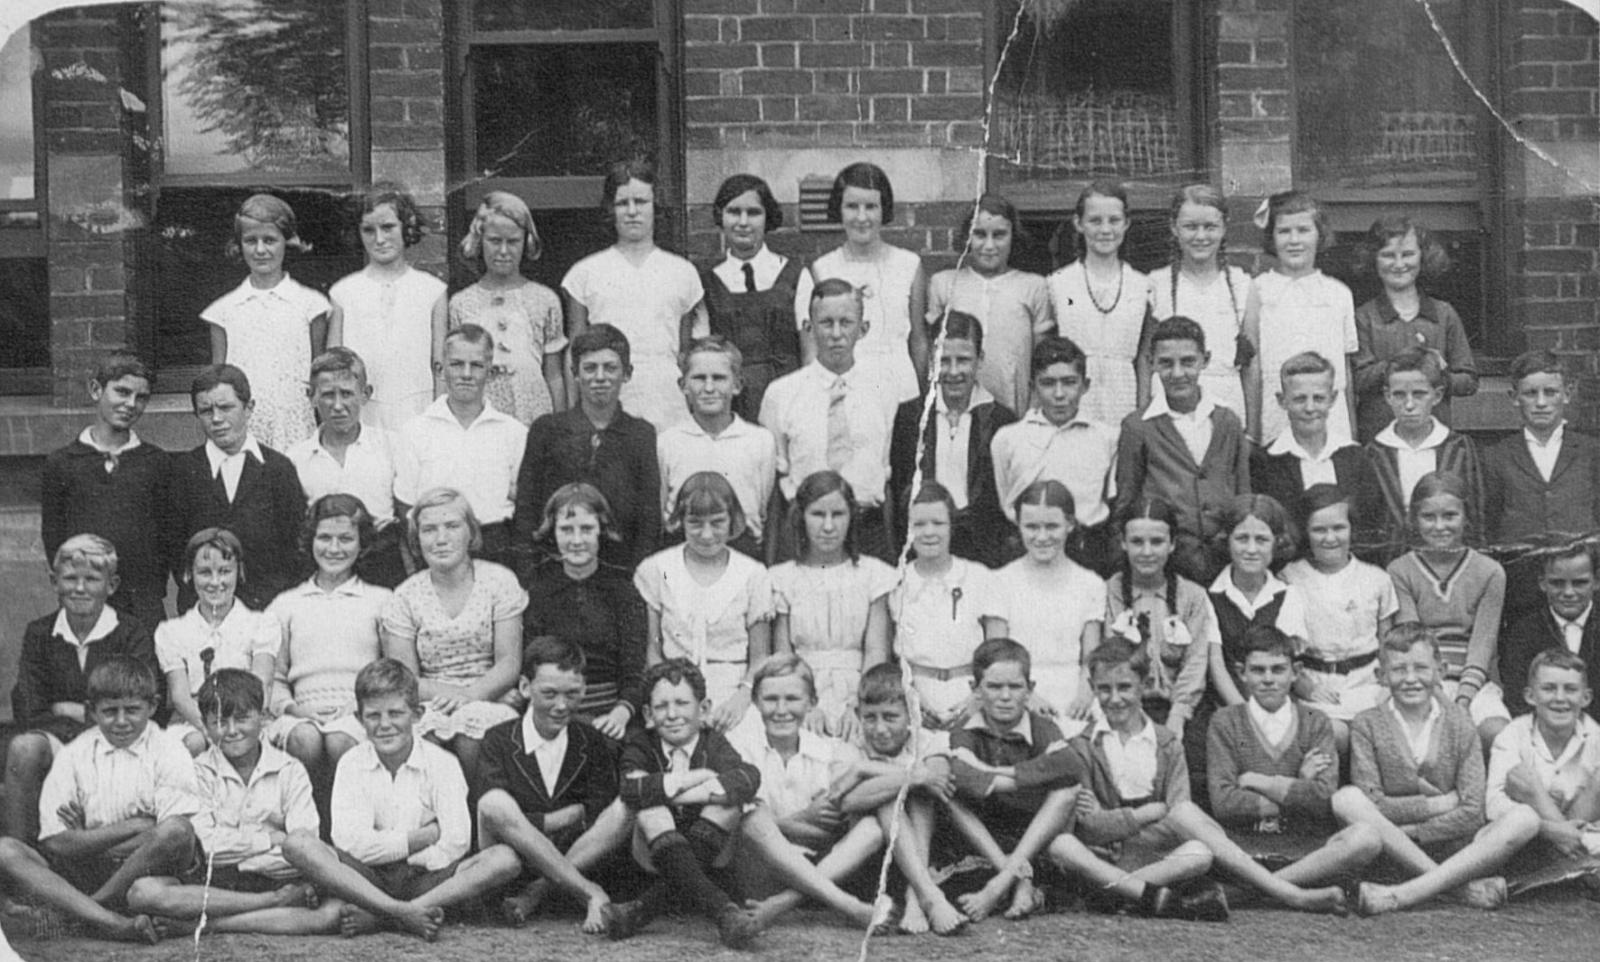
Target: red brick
(778,109)
(406,136)
(1557,261)
(723,110)
(941,6)
(85,305)
(1235,52)
(946,108)
(422,9)
(835,7)
(888,28)
(386,58)
(936,81)
(107,277)
(407,83)
(388,110)
(894,134)
(1549,102)
(946,54)
(428,56)
(891,109)
(1553,49)
(1536,23)
(891,55)
(424,111)
(1533,75)
(700,30)
(836,81)
(891,81)
(778,6)
(1585,75)
(67,279)
(704,138)
(834,29)
(891,6)
(830,108)
(776,82)
(404,31)
(719,6)
(778,55)
(782,135)
(964,28)
(755,29)
(1272,51)
(834,55)
(702,83)
(721,57)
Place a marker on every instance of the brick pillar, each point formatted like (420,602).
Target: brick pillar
(88,219)
(405,39)
(1255,107)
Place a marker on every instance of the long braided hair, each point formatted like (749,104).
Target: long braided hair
(1204,195)
(1148,508)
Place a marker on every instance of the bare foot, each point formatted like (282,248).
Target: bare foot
(295,895)
(915,920)
(945,919)
(766,911)
(1025,900)
(1376,899)
(142,928)
(355,920)
(1328,901)
(421,922)
(594,921)
(1485,893)
(880,914)
(517,909)
(978,905)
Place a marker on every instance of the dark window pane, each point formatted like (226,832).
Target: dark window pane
(1088,88)
(184,267)
(252,85)
(555,110)
(1051,242)
(1462,285)
(562,15)
(1378,100)
(24,313)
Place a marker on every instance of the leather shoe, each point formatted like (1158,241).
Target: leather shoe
(737,927)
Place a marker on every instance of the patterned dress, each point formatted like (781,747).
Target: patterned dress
(269,339)
(828,609)
(526,324)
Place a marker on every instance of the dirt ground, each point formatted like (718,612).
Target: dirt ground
(1560,925)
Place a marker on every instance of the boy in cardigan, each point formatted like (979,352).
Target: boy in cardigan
(549,786)
(685,785)
(1272,767)
(1416,773)
(1416,443)
(110,483)
(58,653)
(1565,622)
(1184,449)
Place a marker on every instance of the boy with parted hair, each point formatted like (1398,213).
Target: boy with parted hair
(1565,622)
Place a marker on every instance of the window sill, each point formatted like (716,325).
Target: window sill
(31,426)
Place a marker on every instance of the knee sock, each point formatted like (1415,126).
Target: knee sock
(707,840)
(681,872)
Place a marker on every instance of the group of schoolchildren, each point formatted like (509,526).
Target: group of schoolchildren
(658,647)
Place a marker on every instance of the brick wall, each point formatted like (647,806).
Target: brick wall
(406,55)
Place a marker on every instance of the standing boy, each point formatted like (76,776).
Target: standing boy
(834,415)
(549,786)
(600,443)
(110,483)
(114,809)
(400,821)
(1565,622)
(1054,442)
(1184,449)
(717,439)
(232,481)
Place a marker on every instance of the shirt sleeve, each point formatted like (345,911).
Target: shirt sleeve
(509,600)
(60,787)
(398,619)
(758,597)
(802,300)
(354,819)
(228,844)
(449,802)
(548,319)
(266,635)
(1503,757)
(176,790)
(647,581)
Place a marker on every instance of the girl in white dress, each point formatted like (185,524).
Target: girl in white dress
(271,326)
(648,294)
(942,609)
(833,603)
(706,602)
(894,287)
(220,631)
(390,313)
(1200,284)
(527,378)
(1100,303)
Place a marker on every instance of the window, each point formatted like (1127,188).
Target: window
(554,93)
(24,277)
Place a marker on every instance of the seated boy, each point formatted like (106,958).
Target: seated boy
(114,809)
(1272,766)
(1018,809)
(112,483)
(1549,762)
(1184,449)
(58,653)
(684,785)
(400,821)
(1416,775)
(1134,804)
(1565,622)
(1415,444)
(251,796)
(1541,485)
(549,787)
(1052,441)
(901,755)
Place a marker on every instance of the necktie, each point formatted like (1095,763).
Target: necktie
(1572,633)
(749,279)
(838,426)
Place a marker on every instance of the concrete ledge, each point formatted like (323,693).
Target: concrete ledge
(32,427)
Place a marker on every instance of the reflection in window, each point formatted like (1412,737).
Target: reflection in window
(551,110)
(24,303)
(1089,88)
(255,86)
(562,15)
(1378,100)
(16,117)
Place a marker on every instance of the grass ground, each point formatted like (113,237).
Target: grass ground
(1559,926)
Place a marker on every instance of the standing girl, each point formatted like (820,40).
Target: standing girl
(220,631)
(942,610)
(591,604)
(893,285)
(1402,317)
(390,313)
(271,325)
(708,603)
(1457,593)
(526,379)
(1100,304)
(750,294)
(1012,305)
(1294,308)
(330,632)
(648,294)
(1051,605)
(1349,605)
(833,602)
(1202,285)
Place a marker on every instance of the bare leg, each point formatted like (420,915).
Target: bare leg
(1187,861)
(489,869)
(322,920)
(28,760)
(320,863)
(500,820)
(167,897)
(1194,824)
(924,899)
(1353,807)
(817,881)
(1050,820)
(1347,852)
(164,849)
(26,871)
(1489,849)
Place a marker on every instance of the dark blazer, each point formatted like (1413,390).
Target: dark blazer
(645,764)
(266,514)
(127,506)
(48,673)
(1534,632)
(1278,475)
(983,514)
(1520,504)
(1456,454)
(588,773)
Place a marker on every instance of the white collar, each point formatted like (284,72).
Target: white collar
(103,626)
(1436,436)
(535,741)
(1285,443)
(439,410)
(1144,734)
(1404,723)
(1264,718)
(1036,416)
(413,758)
(246,290)
(826,377)
(1270,589)
(688,750)
(765,255)
(1527,435)
(812,745)
(215,456)
(737,428)
(136,748)
(272,760)
(1581,621)
(352,587)
(1023,727)
(87,437)
(1158,407)
(979,396)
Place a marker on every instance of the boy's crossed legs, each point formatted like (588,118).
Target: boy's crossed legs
(234,901)
(500,820)
(819,880)
(681,859)
(926,905)
(1013,870)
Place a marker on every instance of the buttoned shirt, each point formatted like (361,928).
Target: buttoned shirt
(1081,454)
(231,466)
(1314,468)
(744,453)
(236,819)
(367,471)
(1132,760)
(548,753)
(950,467)
(103,626)
(1193,426)
(1414,462)
(373,812)
(1545,453)
(795,410)
(480,460)
(1564,776)
(153,775)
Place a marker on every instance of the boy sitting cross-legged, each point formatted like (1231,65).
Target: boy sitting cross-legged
(1272,766)
(1416,773)
(114,808)
(251,796)
(685,785)
(400,821)
(549,786)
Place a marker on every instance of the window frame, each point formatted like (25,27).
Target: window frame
(24,240)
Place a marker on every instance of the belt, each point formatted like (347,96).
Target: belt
(940,674)
(1343,667)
